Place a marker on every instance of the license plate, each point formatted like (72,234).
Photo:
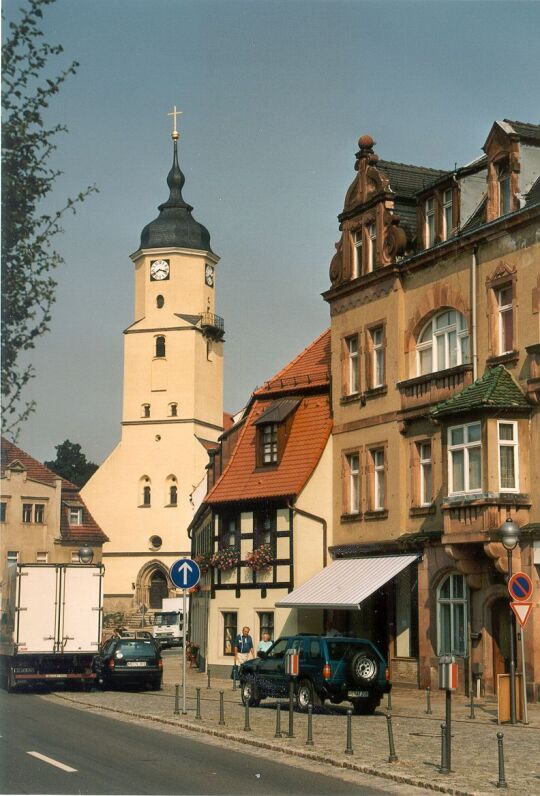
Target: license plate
(358,693)
(134,664)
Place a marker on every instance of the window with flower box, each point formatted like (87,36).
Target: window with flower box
(264,527)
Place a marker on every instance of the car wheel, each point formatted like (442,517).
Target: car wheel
(364,668)
(248,691)
(305,695)
(365,707)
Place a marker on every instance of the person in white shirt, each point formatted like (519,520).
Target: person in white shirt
(265,643)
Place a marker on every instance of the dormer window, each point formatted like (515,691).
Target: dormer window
(430,222)
(269,443)
(447,224)
(272,430)
(357,254)
(372,235)
(75,515)
(505,196)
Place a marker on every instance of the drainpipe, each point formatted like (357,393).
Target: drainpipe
(316,518)
(474,346)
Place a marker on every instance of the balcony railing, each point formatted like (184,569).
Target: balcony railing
(432,388)
(213,325)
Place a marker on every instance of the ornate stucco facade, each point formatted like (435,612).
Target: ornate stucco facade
(435,307)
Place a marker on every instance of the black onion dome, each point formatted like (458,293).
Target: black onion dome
(175,226)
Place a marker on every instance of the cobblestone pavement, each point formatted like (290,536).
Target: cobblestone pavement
(417,736)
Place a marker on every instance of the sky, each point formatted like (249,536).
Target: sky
(274,97)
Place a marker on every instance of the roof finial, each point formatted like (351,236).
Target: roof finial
(175,135)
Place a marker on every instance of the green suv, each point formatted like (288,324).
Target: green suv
(337,668)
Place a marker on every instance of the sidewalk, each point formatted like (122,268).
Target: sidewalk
(417,736)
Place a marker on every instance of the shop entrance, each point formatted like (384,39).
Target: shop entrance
(500,624)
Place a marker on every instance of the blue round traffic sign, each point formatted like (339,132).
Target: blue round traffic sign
(185,573)
(520,586)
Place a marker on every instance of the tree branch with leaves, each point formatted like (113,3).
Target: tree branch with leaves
(28,256)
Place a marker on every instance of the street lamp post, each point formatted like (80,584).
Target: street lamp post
(509,535)
(86,554)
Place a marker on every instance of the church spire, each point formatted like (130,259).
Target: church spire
(175,226)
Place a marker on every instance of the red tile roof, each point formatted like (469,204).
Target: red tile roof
(306,377)
(310,367)
(89,530)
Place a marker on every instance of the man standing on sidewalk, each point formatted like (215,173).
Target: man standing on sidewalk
(243,647)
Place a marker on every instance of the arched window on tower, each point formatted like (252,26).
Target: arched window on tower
(171,491)
(160,301)
(145,491)
(173,410)
(160,346)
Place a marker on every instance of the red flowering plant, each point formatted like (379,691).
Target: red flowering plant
(204,562)
(225,559)
(260,559)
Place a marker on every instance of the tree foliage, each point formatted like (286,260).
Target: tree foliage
(71,463)
(28,256)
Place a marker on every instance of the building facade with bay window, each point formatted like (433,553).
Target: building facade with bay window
(435,337)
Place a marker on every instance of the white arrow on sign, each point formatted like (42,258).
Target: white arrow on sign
(522,611)
(185,569)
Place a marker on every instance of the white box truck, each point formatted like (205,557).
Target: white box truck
(51,623)
(168,622)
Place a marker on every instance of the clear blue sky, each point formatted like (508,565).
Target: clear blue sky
(275,95)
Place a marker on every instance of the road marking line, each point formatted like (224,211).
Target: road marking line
(51,761)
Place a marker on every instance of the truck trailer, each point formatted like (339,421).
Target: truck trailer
(50,623)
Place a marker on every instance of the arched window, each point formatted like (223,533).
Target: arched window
(452,601)
(173,410)
(443,343)
(145,410)
(160,346)
(171,491)
(160,301)
(147,495)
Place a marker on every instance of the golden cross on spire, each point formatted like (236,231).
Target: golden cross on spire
(175,134)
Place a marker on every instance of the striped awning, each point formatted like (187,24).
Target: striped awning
(346,583)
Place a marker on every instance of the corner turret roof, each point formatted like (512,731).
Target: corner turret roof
(496,389)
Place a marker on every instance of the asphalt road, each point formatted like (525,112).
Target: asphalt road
(53,749)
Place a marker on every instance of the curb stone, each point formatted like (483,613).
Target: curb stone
(290,751)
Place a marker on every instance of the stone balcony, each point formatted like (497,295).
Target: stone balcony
(419,393)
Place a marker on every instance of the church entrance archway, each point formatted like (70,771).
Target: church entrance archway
(500,624)
(158,589)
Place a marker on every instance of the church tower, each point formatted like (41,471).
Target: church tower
(172,405)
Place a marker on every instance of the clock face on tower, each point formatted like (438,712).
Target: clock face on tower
(209,275)
(159,269)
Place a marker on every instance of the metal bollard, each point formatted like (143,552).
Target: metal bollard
(444,749)
(392,757)
(389,701)
(278,732)
(349,749)
(471,714)
(221,709)
(309,741)
(176,699)
(290,734)
(247,727)
(234,671)
(198,707)
(501,783)
(428,701)
(208,674)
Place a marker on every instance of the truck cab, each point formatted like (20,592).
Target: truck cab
(168,623)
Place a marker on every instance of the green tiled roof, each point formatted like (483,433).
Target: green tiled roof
(496,389)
